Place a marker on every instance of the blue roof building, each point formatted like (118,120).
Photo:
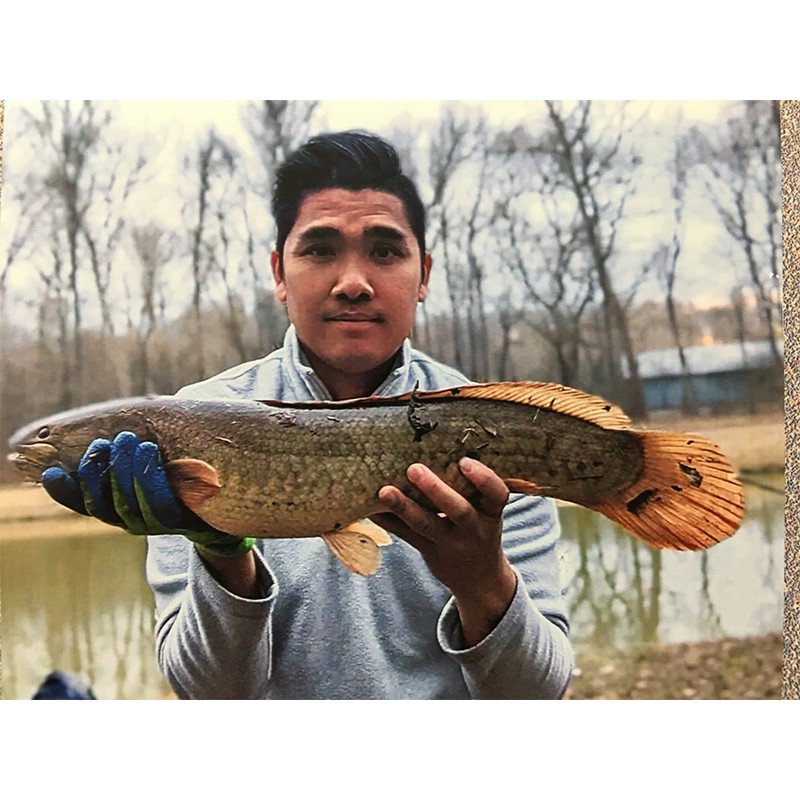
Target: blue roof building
(722,375)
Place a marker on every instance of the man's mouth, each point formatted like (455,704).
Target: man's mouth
(353,317)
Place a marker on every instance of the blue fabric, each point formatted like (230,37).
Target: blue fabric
(63,686)
(64,488)
(319,631)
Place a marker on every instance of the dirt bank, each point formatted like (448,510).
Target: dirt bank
(727,669)
(26,512)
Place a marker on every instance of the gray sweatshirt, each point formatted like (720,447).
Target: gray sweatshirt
(320,631)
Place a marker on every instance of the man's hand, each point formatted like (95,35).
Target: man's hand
(462,544)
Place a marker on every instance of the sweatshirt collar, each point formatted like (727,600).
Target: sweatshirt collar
(310,387)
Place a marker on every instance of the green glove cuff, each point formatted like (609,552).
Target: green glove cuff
(220,544)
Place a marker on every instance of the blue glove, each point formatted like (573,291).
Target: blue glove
(123,483)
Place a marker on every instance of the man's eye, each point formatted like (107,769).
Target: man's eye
(318,251)
(384,252)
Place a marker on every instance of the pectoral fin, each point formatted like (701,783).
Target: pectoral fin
(356,546)
(194,481)
(526,487)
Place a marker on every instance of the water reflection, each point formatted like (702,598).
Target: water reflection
(78,604)
(81,603)
(620,591)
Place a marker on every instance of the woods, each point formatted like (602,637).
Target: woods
(565,242)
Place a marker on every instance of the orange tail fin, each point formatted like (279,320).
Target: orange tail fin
(687,498)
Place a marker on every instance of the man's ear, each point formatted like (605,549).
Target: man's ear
(277,274)
(426,274)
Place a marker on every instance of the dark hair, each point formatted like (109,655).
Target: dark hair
(348,160)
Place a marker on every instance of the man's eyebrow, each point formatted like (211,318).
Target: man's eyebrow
(319,232)
(384,232)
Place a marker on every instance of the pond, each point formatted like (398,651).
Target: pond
(81,603)
(622,592)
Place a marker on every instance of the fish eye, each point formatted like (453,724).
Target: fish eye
(44,433)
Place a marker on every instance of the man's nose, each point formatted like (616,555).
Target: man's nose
(353,281)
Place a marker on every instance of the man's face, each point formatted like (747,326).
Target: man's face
(352,276)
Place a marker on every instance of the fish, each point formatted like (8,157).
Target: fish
(273,469)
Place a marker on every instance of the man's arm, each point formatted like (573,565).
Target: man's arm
(212,639)
(237,575)
(506,646)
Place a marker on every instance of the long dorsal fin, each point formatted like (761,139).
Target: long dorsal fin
(549,396)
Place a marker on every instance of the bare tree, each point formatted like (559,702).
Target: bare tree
(742,178)
(277,127)
(80,182)
(739,307)
(508,318)
(113,188)
(477,327)
(668,259)
(69,140)
(30,205)
(154,248)
(214,159)
(594,169)
(236,319)
(457,170)
(544,252)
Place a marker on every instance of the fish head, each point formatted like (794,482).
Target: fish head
(35,447)
(60,440)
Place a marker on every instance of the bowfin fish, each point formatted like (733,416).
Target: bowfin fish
(275,469)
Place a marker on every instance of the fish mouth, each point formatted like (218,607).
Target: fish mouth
(30,460)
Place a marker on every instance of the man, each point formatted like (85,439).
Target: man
(467,602)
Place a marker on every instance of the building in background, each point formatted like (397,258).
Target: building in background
(722,377)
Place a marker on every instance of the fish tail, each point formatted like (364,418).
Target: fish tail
(687,497)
